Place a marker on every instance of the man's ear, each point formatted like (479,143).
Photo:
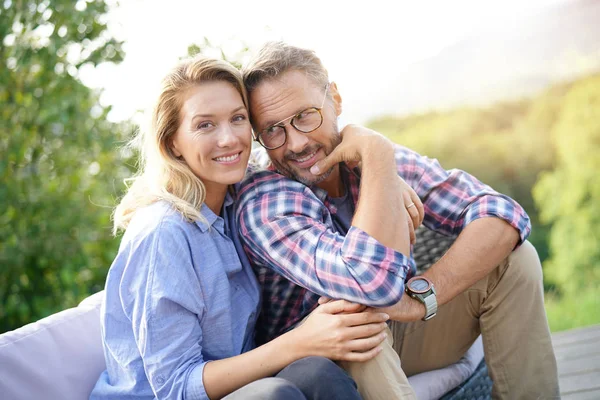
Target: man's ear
(337,98)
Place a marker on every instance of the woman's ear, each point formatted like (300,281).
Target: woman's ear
(173,147)
(337,98)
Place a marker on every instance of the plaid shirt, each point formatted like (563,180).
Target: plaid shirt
(290,238)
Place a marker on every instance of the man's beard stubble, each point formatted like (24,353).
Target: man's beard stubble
(308,181)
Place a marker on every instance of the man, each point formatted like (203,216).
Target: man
(311,235)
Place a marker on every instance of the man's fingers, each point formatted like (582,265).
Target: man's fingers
(411,208)
(323,300)
(325,164)
(419,207)
(411,230)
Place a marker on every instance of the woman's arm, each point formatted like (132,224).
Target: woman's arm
(157,286)
(326,332)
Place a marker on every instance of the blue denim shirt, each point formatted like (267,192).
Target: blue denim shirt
(178,295)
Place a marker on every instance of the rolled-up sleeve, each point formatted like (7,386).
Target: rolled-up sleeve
(453,198)
(161,294)
(285,230)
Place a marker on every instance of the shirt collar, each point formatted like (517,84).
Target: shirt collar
(210,218)
(350,178)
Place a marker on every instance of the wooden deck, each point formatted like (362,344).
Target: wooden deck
(578,357)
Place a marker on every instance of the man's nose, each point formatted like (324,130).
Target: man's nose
(296,141)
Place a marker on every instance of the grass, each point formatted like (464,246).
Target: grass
(573,310)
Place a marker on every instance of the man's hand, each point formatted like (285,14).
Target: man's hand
(359,142)
(406,310)
(414,209)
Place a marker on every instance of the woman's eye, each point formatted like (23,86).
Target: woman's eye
(239,118)
(204,126)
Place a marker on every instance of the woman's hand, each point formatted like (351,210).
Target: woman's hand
(339,330)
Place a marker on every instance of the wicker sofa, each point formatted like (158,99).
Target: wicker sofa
(429,248)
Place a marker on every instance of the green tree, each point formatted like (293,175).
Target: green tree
(59,167)
(505,145)
(569,196)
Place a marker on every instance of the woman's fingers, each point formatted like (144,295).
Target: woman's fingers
(339,307)
(361,356)
(366,344)
(363,318)
(363,331)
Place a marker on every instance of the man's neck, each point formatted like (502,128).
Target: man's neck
(333,185)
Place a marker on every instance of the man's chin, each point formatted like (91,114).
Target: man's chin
(308,179)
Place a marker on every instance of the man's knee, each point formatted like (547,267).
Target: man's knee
(525,263)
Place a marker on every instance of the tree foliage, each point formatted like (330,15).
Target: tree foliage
(58,164)
(569,195)
(509,145)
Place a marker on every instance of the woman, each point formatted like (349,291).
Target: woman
(181,298)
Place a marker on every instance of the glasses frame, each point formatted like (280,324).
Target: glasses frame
(282,124)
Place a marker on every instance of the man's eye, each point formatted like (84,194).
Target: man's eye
(306,114)
(273,130)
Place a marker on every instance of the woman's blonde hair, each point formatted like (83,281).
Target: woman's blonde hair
(161,175)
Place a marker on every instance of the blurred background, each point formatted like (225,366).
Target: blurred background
(506,90)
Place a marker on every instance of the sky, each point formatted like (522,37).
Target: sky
(350,37)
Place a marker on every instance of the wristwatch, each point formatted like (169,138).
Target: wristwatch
(421,289)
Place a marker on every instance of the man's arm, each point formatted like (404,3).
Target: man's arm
(284,227)
(382,193)
(489,226)
(481,246)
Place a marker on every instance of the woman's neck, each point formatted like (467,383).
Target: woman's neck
(215,197)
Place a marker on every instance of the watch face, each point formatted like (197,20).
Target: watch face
(419,285)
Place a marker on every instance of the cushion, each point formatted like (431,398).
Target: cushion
(434,384)
(58,357)
(61,357)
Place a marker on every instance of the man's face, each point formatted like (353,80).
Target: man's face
(283,97)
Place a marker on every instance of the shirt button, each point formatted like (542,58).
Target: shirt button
(160,380)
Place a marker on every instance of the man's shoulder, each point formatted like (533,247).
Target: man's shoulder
(260,181)
(403,152)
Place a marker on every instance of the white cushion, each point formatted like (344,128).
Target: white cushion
(434,384)
(58,357)
(61,357)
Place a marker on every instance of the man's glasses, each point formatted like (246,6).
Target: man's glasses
(305,121)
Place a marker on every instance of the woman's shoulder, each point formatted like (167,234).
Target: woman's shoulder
(156,220)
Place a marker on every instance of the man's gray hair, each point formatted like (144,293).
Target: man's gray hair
(276,58)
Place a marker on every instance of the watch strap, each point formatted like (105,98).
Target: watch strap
(430,303)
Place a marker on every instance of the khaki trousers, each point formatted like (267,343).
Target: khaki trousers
(506,307)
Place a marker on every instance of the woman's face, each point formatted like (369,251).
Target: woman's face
(214,137)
